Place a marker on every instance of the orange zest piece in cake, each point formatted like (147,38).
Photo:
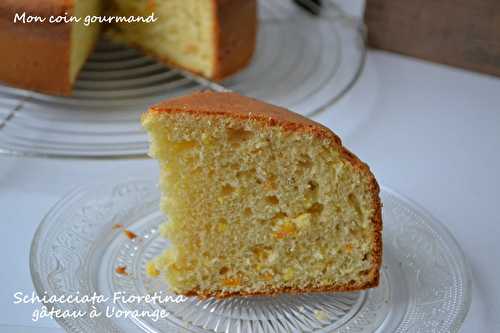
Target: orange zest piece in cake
(117,226)
(122,270)
(286,230)
(232,282)
(266,276)
(191,48)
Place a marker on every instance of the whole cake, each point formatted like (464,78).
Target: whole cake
(212,38)
(260,201)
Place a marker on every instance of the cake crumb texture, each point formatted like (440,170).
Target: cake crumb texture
(260,200)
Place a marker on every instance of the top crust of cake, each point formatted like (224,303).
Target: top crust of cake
(236,106)
(211,104)
(35,56)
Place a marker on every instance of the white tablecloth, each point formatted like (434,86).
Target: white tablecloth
(428,131)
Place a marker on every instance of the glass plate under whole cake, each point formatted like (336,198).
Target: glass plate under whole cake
(424,287)
(302,62)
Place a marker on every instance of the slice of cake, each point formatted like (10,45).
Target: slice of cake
(260,201)
(213,38)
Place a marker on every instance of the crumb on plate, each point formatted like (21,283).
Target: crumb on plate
(321,315)
(122,270)
(129,234)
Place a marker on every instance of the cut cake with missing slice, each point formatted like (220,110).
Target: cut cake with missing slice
(212,38)
(260,201)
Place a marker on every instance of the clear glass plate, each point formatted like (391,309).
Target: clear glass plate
(425,284)
(302,62)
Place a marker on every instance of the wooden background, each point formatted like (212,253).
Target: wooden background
(462,33)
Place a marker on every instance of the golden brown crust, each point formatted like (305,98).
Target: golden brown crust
(35,56)
(235,35)
(272,292)
(244,108)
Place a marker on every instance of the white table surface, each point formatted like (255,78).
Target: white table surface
(428,131)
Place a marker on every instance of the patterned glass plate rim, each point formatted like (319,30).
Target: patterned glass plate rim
(101,119)
(75,250)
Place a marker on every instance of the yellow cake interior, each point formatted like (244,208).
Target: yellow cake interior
(257,209)
(83,38)
(182,35)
